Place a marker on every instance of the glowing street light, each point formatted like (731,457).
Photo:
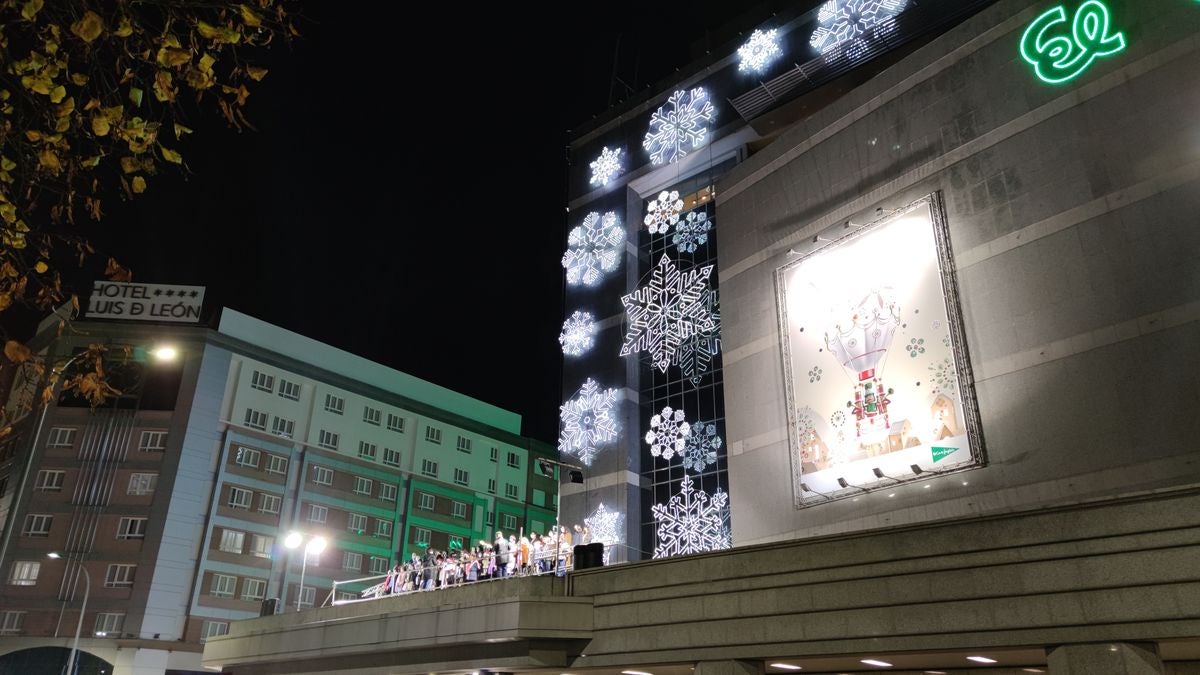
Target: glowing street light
(164,353)
(87,590)
(315,545)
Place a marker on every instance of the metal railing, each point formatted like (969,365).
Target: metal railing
(410,580)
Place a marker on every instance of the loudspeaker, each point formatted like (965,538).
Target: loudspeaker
(269,607)
(588,556)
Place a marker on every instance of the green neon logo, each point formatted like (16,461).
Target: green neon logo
(941,453)
(1059,57)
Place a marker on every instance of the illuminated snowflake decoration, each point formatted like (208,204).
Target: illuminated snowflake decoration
(607,527)
(606,167)
(663,212)
(594,249)
(848,27)
(578,334)
(692,522)
(668,433)
(701,448)
(692,232)
(667,311)
(696,353)
(759,51)
(945,377)
(587,422)
(679,126)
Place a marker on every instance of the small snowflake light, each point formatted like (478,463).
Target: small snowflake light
(696,353)
(594,249)
(606,167)
(607,527)
(667,311)
(759,51)
(691,522)
(668,433)
(663,212)
(587,422)
(701,448)
(679,126)
(692,232)
(578,334)
(848,27)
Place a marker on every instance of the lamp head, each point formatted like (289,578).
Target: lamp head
(54,555)
(878,472)
(843,483)
(315,545)
(576,477)
(916,469)
(164,353)
(293,539)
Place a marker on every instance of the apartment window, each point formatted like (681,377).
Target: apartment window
(352,561)
(277,464)
(120,576)
(433,435)
(262,381)
(322,475)
(539,498)
(456,543)
(458,510)
(391,457)
(155,441)
(317,513)
(362,485)
(422,535)
(429,468)
(254,589)
(247,457)
(387,492)
(37,525)
(24,573)
(508,521)
(379,565)
(261,546)
(269,503)
(232,541)
(372,415)
(110,624)
(489,519)
(510,490)
(514,460)
(239,498)
(335,404)
(491,486)
(222,585)
(494,454)
(289,390)
(282,427)
(356,522)
(61,437)
(395,423)
(142,484)
(367,450)
(11,622)
(461,477)
(425,501)
(131,528)
(211,629)
(256,419)
(307,595)
(383,528)
(327,440)
(464,444)
(49,480)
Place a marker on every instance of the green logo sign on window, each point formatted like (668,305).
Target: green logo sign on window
(941,453)
(1060,50)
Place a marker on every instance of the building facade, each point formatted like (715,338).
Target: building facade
(176,495)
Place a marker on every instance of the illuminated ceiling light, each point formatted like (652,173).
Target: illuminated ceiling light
(786,666)
(1063,55)
(759,51)
(587,423)
(165,353)
(635,672)
(848,27)
(679,126)
(965,483)
(701,447)
(935,672)
(667,311)
(1033,670)
(877,662)
(927,486)
(981,659)
(663,212)
(668,433)
(593,249)
(692,522)
(578,334)
(607,166)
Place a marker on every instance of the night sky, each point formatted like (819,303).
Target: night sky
(403,197)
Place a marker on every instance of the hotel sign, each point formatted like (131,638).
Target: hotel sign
(145,302)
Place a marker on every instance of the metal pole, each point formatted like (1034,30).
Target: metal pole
(303,569)
(72,667)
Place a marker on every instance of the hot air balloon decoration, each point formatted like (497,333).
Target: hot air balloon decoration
(858,337)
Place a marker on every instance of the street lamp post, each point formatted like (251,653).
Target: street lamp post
(576,476)
(315,544)
(87,590)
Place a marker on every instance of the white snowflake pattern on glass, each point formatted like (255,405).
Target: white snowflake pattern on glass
(594,249)
(606,167)
(848,27)
(668,433)
(578,334)
(587,422)
(701,448)
(759,51)
(607,527)
(667,311)
(945,377)
(679,126)
(695,354)
(692,522)
(691,232)
(663,212)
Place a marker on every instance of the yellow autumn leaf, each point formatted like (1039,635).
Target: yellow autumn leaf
(38,85)
(90,162)
(218,34)
(62,124)
(17,352)
(66,108)
(100,125)
(124,28)
(180,130)
(130,165)
(79,79)
(164,86)
(173,57)
(139,185)
(31,8)
(250,17)
(170,155)
(41,267)
(135,96)
(7,164)
(57,94)
(114,113)
(89,27)
(33,135)
(48,160)
(5,303)
(256,73)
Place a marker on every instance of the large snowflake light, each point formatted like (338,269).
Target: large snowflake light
(578,334)
(759,51)
(696,353)
(847,27)
(667,311)
(679,126)
(587,422)
(668,433)
(692,522)
(701,447)
(607,527)
(594,249)
(606,167)
(691,232)
(663,212)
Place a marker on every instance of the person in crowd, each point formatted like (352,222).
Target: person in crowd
(503,554)
(523,547)
(428,563)
(536,551)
